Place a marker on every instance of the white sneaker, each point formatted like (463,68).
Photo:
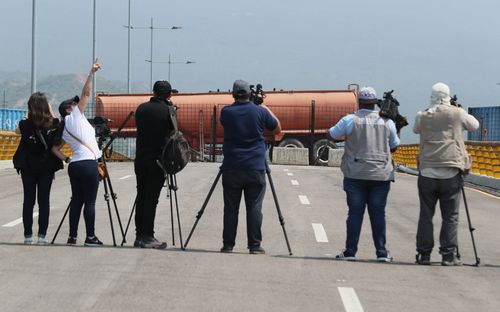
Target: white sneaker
(42,240)
(387,258)
(28,239)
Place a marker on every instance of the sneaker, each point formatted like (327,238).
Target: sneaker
(226,249)
(93,241)
(152,242)
(42,240)
(28,239)
(386,258)
(423,259)
(345,255)
(258,250)
(451,260)
(138,240)
(71,241)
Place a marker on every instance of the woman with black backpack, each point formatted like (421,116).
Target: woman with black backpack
(37,163)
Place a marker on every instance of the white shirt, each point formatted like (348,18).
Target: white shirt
(78,125)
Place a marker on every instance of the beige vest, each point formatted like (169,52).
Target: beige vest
(441,140)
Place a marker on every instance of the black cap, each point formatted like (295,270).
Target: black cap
(66,104)
(162,88)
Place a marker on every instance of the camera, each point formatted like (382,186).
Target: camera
(389,109)
(257,95)
(100,125)
(454,101)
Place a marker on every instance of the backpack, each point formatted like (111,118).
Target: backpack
(176,152)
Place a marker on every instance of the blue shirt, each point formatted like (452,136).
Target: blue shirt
(244,147)
(345,125)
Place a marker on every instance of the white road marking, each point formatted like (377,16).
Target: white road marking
(319,232)
(290,174)
(303,200)
(18,221)
(295,182)
(125,177)
(285,169)
(350,299)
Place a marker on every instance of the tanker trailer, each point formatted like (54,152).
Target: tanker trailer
(305,116)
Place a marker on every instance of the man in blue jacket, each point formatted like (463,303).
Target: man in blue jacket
(244,164)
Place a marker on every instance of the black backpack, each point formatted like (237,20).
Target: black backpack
(176,152)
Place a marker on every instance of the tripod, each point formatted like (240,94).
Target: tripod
(471,229)
(214,184)
(108,186)
(171,184)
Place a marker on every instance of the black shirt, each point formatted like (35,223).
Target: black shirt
(153,126)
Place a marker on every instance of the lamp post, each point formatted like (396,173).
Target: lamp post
(33,48)
(169,62)
(152,28)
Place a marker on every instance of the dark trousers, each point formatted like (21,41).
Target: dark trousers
(33,181)
(84,185)
(447,191)
(150,180)
(253,184)
(361,194)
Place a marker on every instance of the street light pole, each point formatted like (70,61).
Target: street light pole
(152,28)
(33,48)
(128,49)
(92,108)
(169,62)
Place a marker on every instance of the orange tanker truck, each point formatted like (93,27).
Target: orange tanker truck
(305,116)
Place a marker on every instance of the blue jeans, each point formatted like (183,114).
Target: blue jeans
(360,194)
(84,181)
(253,184)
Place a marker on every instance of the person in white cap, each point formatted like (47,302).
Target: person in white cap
(442,161)
(368,171)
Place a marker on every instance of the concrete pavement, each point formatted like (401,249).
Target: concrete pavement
(61,278)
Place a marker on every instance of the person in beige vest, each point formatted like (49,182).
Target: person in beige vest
(442,161)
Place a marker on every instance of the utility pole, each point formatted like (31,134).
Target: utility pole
(92,108)
(129,85)
(33,48)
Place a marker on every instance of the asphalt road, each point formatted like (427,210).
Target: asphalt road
(62,278)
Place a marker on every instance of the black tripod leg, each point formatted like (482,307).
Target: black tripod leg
(173,180)
(280,216)
(60,223)
(113,197)
(106,197)
(471,229)
(169,186)
(202,210)
(129,219)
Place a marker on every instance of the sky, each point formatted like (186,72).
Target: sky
(293,45)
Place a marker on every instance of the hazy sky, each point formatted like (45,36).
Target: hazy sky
(406,45)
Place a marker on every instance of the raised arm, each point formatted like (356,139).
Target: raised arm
(87,88)
(276,130)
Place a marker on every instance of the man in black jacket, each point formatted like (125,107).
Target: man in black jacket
(153,126)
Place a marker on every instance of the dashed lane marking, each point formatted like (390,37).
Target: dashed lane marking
(304,200)
(350,299)
(125,177)
(290,174)
(319,232)
(285,170)
(295,182)
(18,221)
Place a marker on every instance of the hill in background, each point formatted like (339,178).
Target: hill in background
(15,88)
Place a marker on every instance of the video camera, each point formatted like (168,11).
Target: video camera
(389,109)
(100,125)
(454,101)
(257,95)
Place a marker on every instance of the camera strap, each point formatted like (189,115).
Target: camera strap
(80,141)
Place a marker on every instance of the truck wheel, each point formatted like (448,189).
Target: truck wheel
(321,150)
(291,143)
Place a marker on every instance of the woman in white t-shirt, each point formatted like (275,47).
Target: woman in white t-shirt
(79,134)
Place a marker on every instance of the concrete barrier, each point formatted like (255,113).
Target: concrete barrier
(290,156)
(335,157)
